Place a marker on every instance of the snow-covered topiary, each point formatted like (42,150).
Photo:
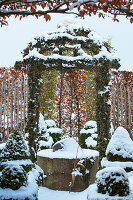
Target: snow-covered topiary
(88,135)
(45,143)
(16,170)
(112,180)
(13,177)
(90,125)
(48,133)
(15,148)
(55,133)
(50,124)
(120,147)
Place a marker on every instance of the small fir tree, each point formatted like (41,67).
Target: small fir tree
(15,148)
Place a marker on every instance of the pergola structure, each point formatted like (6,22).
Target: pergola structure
(70,48)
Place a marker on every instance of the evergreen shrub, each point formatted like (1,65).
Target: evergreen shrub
(89,130)
(113,180)
(13,177)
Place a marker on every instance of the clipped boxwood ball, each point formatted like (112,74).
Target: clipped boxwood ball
(13,177)
(113,180)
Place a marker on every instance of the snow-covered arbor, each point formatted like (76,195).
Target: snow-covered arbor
(68,49)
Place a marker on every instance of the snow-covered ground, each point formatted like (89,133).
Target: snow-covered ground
(48,194)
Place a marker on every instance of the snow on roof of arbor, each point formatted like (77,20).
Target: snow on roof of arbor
(71,150)
(120,144)
(69,33)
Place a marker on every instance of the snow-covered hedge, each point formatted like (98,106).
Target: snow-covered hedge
(16,170)
(88,135)
(113,180)
(120,147)
(13,177)
(48,133)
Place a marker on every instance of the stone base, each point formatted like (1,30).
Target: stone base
(58,172)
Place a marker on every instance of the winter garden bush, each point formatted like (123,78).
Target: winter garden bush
(48,133)
(13,177)
(16,149)
(88,135)
(55,133)
(16,170)
(120,147)
(113,180)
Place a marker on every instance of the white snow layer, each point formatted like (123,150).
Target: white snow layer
(54,130)
(60,33)
(121,144)
(24,191)
(124,165)
(86,153)
(90,142)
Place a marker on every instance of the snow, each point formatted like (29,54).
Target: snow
(54,130)
(91,131)
(63,33)
(50,123)
(106,172)
(90,142)
(85,153)
(42,125)
(91,123)
(120,144)
(94,195)
(24,191)
(106,163)
(47,144)
(18,162)
(89,127)
(45,193)
(2,146)
(48,194)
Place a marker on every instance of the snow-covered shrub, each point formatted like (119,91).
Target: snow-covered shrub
(112,180)
(120,147)
(48,133)
(16,170)
(16,149)
(88,135)
(13,177)
(45,142)
(55,133)
(1,147)
(50,124)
